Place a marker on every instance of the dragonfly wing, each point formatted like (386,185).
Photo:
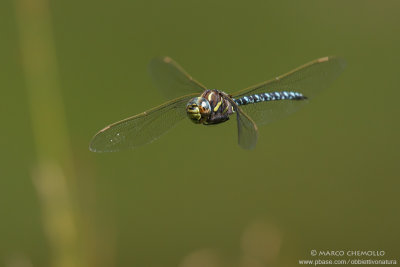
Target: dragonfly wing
(247,129)
(172,79)
(308,80)
(142,128)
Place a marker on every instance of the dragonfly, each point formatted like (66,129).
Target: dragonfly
(256,105)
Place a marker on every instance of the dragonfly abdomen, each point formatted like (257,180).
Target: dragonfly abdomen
(271,96)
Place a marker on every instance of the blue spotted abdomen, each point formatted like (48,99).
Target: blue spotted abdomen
(271,96)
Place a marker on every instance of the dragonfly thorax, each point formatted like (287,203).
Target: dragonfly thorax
(198,109)
(212,107)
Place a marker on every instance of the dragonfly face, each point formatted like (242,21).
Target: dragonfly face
(198,110)
(254,106)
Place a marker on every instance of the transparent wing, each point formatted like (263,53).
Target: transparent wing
(172,79)
(308,79)
(247,129)
(142,128)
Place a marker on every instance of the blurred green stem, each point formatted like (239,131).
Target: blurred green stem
(54,175)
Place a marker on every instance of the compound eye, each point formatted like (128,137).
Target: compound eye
(205,106)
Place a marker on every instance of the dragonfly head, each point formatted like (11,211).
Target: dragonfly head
(198,109)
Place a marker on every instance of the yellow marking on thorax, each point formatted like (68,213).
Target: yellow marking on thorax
(226,109)
(210,96)
(217,106)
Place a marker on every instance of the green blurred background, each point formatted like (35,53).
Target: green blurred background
(325,178)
